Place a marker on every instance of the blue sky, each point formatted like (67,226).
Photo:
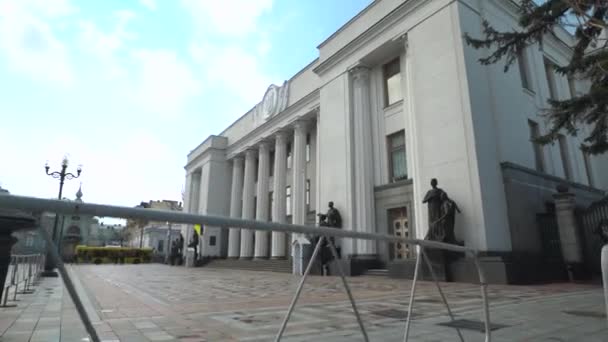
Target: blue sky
(128,87)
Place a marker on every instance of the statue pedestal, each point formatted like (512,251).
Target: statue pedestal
(190,257)
(302,252)
(439,263)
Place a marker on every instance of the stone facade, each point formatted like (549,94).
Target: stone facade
(394,99)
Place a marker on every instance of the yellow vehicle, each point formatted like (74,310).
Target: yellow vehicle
(113,255)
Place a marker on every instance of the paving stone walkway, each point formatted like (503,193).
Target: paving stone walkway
(162,303)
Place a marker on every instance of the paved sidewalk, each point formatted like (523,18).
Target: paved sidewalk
(46,315)
(162,303)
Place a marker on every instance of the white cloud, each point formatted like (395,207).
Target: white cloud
(228,17)
(31,47)
(164,82)
(104,46)
(149,4)
(235,69)
(44,8)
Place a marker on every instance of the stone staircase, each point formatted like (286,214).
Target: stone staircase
(269,265)
(376,272)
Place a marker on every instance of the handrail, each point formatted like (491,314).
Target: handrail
(39,205)
(74,208)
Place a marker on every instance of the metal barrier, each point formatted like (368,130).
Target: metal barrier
(38,205)
(24,271)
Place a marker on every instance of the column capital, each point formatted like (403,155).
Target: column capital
(359,72)
(238,159)
(251,152)
(263,145)
(281,135)
(301,125)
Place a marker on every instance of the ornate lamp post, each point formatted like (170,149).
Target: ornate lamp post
(62,176)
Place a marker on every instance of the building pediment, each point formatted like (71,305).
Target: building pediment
(274,101)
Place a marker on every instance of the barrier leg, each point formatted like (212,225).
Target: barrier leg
(16,278)
(294,300)
(604,262)
(484,297)
(411,304)
(348,292)
(5,297)
(443,297)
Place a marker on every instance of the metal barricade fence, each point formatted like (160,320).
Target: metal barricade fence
(37,206)
(23,272)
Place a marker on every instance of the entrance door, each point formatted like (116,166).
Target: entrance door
(400,228)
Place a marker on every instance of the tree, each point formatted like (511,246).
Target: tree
(587,19)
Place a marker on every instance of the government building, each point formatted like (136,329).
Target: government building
(396,98)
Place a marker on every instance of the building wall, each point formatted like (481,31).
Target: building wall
(528,193)
(335,173)
(462,121)
(501,108)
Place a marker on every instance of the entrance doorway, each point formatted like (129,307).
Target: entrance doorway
(398,226)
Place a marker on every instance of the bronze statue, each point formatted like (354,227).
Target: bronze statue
(333,216)
(331,219)
(442,215)
(448,218)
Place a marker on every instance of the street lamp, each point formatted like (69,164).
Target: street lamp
(62,176)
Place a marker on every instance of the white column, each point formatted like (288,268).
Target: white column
(570,242)
(299,173)
(261,237)
(195,190)
(364,176)
(236,206)
(279,209)
(248,204)
(187,204)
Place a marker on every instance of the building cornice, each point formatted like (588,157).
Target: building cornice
(198,160)
(517,167)
(211,142)
(391,19)
(285,116)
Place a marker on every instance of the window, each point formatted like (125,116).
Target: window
(29,241)
(396,154)
(270,205)
(161,244)
(307,194)
(307,147)
(392,82)
(255,206)
(572,86)
(289,155)
(563,150)
(212,240)
(271,171)
(288,201)
(538,148)
(257,169)
(588,168)
(550,73)
(524,70)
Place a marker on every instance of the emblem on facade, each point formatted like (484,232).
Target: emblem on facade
(274,102)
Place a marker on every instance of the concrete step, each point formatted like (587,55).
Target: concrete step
(270,265)
(377,272)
